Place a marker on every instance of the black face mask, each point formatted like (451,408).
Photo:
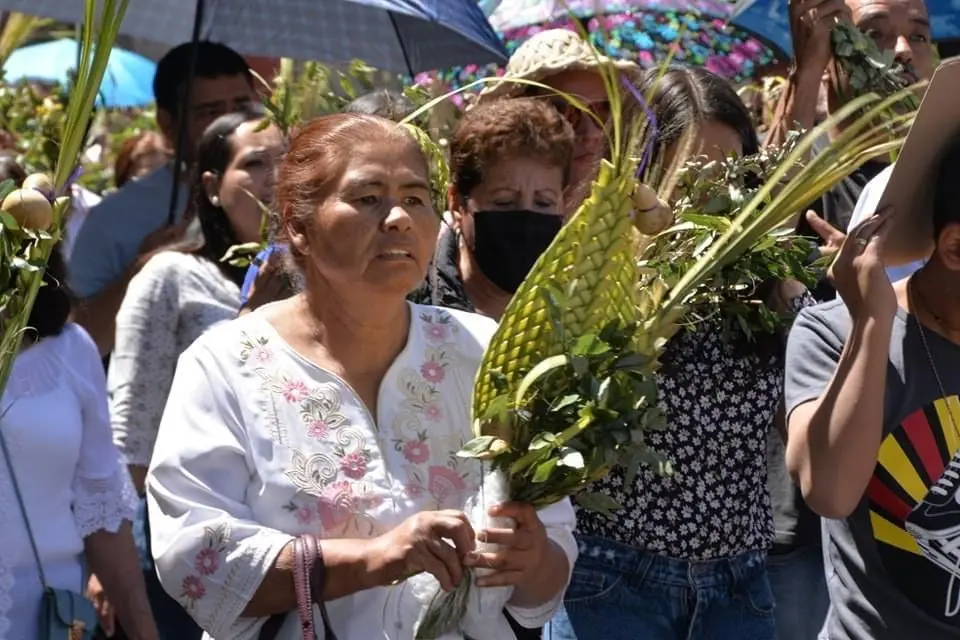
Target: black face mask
(508,243)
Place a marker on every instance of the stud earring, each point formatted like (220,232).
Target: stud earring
(215,201)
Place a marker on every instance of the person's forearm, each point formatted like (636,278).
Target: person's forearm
(833,456)
(797,108)
(350,567)
(113,558)
(546,583)
(98,314)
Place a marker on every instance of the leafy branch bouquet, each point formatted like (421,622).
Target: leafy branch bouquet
(567,387)
(737,295)
(31,218)
(870,70)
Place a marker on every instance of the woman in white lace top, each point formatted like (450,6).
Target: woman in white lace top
(331,421)
(177,296)
(76,492)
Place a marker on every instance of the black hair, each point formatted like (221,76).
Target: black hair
(214,60)
(10,169)
(54,300)
(214,154)
(946,193)
(384,103)
(684,97)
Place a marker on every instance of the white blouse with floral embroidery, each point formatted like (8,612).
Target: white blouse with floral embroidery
(258,444)
(73,482)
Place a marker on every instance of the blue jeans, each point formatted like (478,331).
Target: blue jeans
(800,590)
(621,593)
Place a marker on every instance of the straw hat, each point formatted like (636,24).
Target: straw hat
(912,183)
(546,54)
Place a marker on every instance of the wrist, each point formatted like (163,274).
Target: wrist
(872,326)
(373,564)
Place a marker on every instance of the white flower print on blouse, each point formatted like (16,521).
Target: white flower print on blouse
(263,442)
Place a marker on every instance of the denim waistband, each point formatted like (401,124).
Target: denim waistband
(697,574)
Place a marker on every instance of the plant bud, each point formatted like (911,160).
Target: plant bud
(651,215)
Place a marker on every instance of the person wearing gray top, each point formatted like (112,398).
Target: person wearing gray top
(872,385)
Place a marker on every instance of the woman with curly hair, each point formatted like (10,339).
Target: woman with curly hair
(510,164)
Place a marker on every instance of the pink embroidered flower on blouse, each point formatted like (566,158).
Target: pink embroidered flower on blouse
(445,485)
(294,391)
(304,515)
(432,371)
(416,451)
(336,505)
(192,588)
(433,412)
(436,332)
(261,355)
(354,465)
(207,561)
(317,428)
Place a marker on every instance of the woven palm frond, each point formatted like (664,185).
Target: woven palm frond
(591,262)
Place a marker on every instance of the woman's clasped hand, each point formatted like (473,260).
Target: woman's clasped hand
(444,544)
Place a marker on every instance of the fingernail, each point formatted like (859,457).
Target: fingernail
(482,536)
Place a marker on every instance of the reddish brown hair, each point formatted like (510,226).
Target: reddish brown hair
(518,127)
(316,157)
(132,149)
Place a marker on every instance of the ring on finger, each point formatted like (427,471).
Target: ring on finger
(814,14)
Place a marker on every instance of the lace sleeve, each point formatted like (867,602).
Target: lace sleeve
(103,504)
(103,495)
(144,357)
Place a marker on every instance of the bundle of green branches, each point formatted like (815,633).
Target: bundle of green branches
(868,69)
(736,295)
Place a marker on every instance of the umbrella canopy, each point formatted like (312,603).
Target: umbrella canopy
(768,19)
(128,81)
(405,36)
(648,31)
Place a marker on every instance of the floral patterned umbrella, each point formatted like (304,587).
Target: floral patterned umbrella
(691,32)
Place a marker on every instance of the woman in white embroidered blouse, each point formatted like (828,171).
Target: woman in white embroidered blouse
(335,415)
(78,497)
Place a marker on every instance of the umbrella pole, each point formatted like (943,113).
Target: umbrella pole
(182,113)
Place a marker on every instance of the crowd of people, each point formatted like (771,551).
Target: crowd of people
(205,450)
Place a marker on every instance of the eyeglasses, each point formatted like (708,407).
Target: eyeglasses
(600,109)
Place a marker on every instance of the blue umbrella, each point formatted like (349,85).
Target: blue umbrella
(128,81)
(768,19)
(406,36)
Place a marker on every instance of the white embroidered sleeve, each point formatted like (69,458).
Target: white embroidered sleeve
(211,553)
(559,520)
(103,495)
(144,356)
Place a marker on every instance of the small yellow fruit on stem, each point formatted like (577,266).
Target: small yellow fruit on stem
(29,208)
(651,215)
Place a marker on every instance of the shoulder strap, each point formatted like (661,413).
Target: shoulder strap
(23,509)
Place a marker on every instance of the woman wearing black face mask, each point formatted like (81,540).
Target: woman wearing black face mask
(510,165)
